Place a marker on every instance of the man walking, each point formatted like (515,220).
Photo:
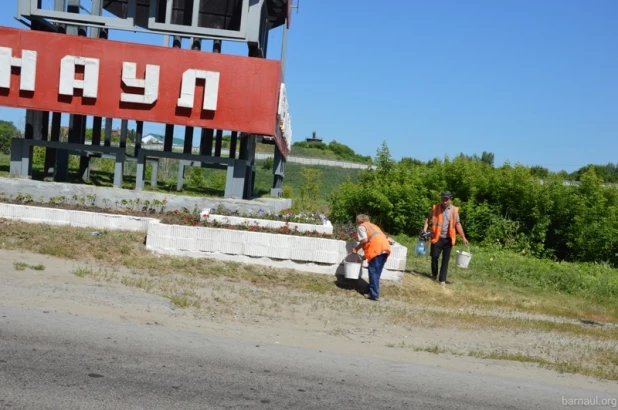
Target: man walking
(376,249)
(445,225)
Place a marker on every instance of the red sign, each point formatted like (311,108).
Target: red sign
(79,75)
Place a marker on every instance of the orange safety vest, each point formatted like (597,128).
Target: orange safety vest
(436,223)
(376,242)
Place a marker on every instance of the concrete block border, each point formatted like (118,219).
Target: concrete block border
(81,219)
(316,255)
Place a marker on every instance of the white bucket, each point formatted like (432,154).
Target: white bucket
(463,259)
(352,270)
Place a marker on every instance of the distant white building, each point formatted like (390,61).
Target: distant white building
(152,139)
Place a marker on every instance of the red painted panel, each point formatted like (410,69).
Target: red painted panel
(248,87)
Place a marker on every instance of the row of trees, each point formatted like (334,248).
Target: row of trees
(8,131)
(508,206)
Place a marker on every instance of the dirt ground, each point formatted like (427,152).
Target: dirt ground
(348,324)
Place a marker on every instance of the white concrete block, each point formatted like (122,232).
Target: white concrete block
(206,245)
(231,248)
(255,249)
(183,244)
(278,252)
(6,211)
(156,241)
(302,242)
(258,238)
(156,228)
(282,243)
(204,234)
(82,219)
(324,256)
(181,231)
(398,251)
(392,263)
(299,254)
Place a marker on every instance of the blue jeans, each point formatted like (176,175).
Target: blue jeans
(375,271)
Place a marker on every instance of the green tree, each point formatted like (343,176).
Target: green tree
(8,131)
(385,164)
(593,232)
(488,158)
(131,135)
(310,188)
(539,171)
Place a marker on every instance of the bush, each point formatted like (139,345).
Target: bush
(507,207)
(197,179)
(288,191)
(268,163)
(8,131)
(216,180)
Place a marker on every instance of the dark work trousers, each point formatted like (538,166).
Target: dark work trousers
(443,246)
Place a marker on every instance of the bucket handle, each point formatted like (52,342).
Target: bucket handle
(361,258)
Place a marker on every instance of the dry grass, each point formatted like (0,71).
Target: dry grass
(491,295)
(598,362)
(215,289)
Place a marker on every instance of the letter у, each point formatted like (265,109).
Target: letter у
(150,83)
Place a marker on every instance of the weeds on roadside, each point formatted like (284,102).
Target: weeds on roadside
(20,266)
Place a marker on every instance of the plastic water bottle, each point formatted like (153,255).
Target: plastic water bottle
(420,248)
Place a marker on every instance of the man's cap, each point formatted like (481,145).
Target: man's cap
(447,194)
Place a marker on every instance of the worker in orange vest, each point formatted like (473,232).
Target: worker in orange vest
(445,225)
(376,248)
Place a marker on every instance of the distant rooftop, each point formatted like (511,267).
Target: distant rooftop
(313,138)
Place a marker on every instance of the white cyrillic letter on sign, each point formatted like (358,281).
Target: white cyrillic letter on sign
(285,119)
(211,89)
(150,83)
(27,62)
(90,83)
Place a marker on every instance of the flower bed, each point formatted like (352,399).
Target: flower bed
(284,220)
(196,218)
(285,215)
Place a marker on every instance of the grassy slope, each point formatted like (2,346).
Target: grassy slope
(332,178)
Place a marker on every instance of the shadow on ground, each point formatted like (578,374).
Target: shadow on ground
(360,285)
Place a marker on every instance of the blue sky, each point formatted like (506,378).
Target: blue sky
(534,82)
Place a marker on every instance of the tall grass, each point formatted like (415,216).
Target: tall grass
(594,281)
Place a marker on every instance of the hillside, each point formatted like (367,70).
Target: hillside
(332,177)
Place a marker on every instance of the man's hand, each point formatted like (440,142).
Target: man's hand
(354,251)
(465,241)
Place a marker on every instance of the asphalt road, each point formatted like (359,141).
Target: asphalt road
(58,361)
